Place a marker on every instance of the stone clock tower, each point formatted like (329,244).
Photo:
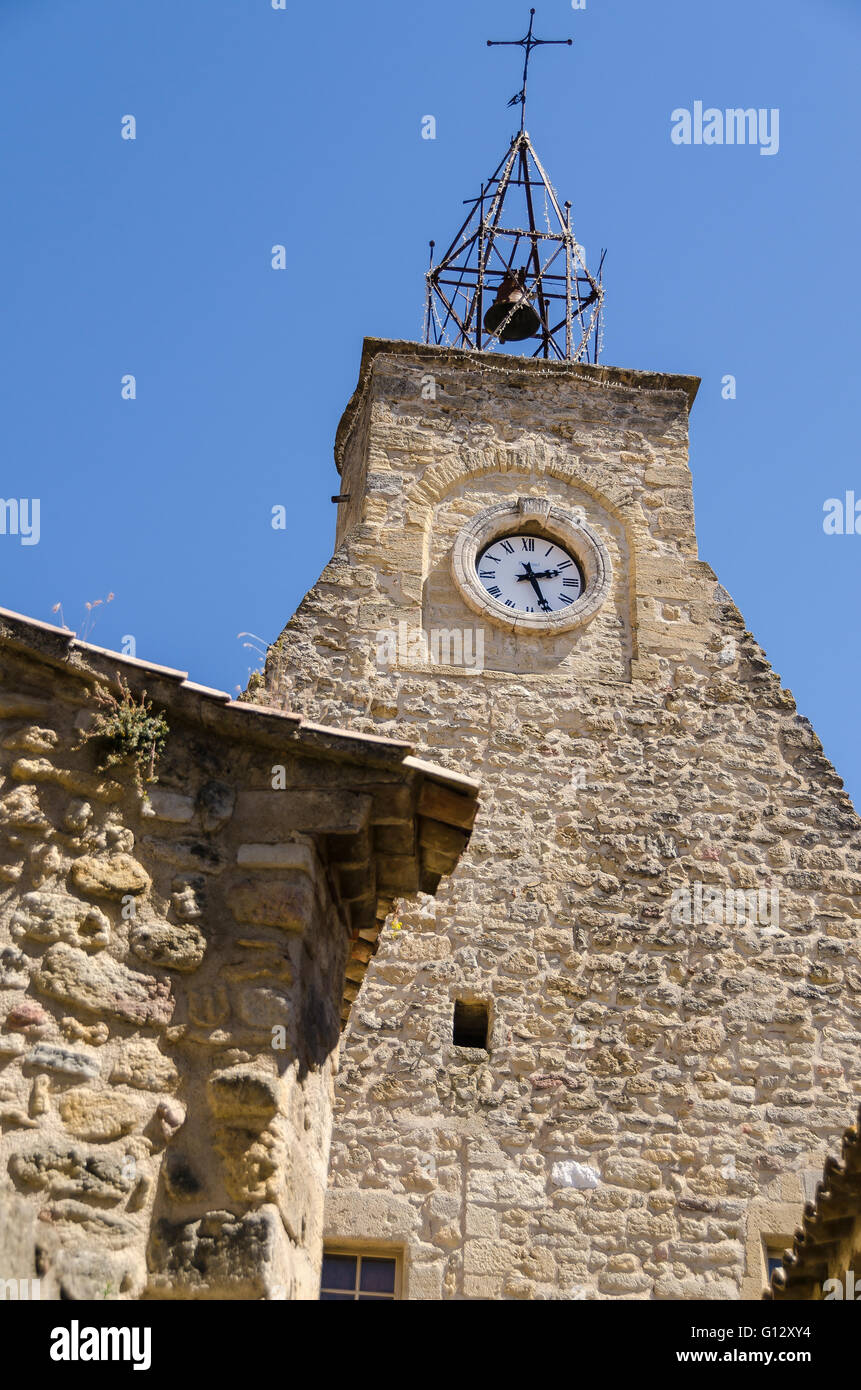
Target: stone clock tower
(608,1057)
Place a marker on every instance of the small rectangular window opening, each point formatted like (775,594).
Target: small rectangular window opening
(471,1024)
(358,1278)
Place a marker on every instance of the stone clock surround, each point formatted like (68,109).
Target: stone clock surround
(538,517)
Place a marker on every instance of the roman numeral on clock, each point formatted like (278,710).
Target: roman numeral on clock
(495,591)
(506,545)
(487,574)
(563,598)
(565,565)
(570,583)
(528,542)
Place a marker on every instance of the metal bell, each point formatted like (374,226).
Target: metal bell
(524,321)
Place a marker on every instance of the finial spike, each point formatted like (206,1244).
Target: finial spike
(527,43)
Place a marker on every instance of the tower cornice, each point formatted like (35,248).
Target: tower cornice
(496,364)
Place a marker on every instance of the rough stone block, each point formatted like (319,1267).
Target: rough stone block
(284,856)
(71,1170)
(220,1256)
(175,946)
(100,983)
(49,916)
(64,1061)
(111,877)
(270,902)
(98,1115)
(169,806)
(142,1065)
(82,783)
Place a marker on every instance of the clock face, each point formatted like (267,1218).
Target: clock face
(530,574)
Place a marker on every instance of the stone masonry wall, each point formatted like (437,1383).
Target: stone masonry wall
(656,1091)
(159,1136)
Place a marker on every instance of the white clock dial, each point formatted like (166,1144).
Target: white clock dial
(530,574)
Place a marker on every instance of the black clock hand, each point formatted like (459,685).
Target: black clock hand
(545,574)
(542,602)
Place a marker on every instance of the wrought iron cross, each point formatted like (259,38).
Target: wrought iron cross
(527,43)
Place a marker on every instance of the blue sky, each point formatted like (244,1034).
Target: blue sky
(303,127)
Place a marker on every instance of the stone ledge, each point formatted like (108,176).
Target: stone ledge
(511,367)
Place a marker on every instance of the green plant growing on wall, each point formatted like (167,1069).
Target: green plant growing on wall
(130,731)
